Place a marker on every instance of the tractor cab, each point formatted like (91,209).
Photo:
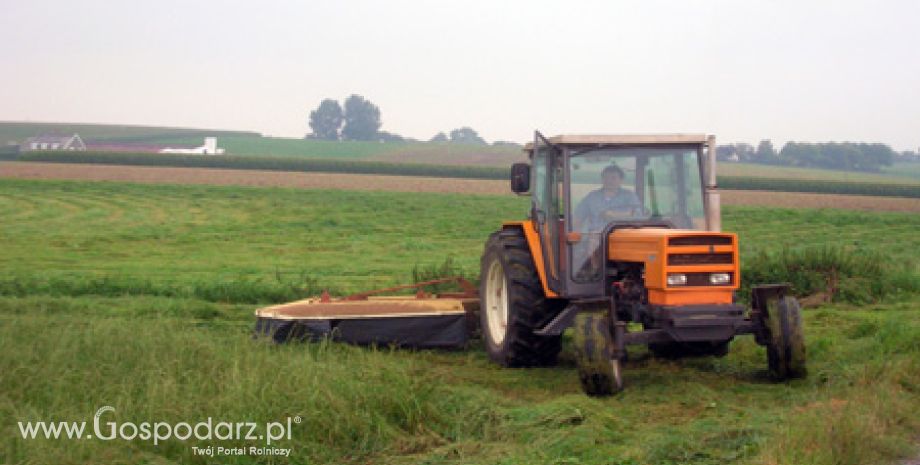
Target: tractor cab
(585,187)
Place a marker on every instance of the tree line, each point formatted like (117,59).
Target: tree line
(850,156)
(359,119)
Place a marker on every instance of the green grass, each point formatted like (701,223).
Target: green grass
(116,306)
(173,360)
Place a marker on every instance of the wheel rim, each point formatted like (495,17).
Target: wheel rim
(496,302)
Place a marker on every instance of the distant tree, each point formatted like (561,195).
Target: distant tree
(875,156)
(439,137)
(800,154)
(725,152)
(766,153)
(384,136)
(505,143)
(362,119)
(326,120)
(745,152)
(908,156)
(466,135)
(838,155)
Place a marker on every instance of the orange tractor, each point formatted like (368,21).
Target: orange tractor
(623,244)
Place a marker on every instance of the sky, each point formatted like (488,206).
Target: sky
(743,70)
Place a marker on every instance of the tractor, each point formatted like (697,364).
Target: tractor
(623,244)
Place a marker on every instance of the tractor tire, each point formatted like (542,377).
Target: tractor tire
(599,371)
(513,304)
(785,339)
(677,350)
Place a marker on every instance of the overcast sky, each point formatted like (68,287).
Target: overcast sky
(784,70)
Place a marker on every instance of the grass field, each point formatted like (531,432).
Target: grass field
(18,131)
(140,297)
(296,148)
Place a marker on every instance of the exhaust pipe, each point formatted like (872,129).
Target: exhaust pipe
(711,195)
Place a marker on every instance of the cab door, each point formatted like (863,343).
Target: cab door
(547,188)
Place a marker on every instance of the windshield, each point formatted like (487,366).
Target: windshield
(628,185)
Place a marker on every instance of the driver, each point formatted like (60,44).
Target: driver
(602,205)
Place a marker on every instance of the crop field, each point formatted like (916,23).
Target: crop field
(313,180)
(889,175)
(140,297)
(291,164)
(904,169)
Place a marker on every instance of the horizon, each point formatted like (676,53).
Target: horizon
(780,71)
(777,144)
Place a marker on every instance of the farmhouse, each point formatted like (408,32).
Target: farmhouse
(53,142)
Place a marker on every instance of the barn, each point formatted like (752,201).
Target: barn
(53,142)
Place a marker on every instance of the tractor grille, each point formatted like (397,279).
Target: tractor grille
(677,259)
(700,240)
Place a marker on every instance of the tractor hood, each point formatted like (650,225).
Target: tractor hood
(703,266)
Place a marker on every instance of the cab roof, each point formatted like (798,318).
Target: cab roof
(623,139)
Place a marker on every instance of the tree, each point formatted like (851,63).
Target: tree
(766,153)
(466,135)
(744,151)
(725,152)
(326,120)
(439,137)
(362,119)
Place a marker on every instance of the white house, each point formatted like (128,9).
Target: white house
(53,142)
(209,148)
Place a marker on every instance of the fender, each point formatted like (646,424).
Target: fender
(536,251)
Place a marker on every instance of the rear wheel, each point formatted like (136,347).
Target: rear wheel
(785,338)
(599,370)
(513,304)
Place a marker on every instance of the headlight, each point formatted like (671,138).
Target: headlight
(720,278)
(677,279)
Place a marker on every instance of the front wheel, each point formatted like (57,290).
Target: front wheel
(513,304)
(600,372)
(785,338)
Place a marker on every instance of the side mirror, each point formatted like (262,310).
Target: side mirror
(520,178)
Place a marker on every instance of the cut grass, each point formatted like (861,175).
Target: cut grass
(158,359)
(264,245)
(267,245)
